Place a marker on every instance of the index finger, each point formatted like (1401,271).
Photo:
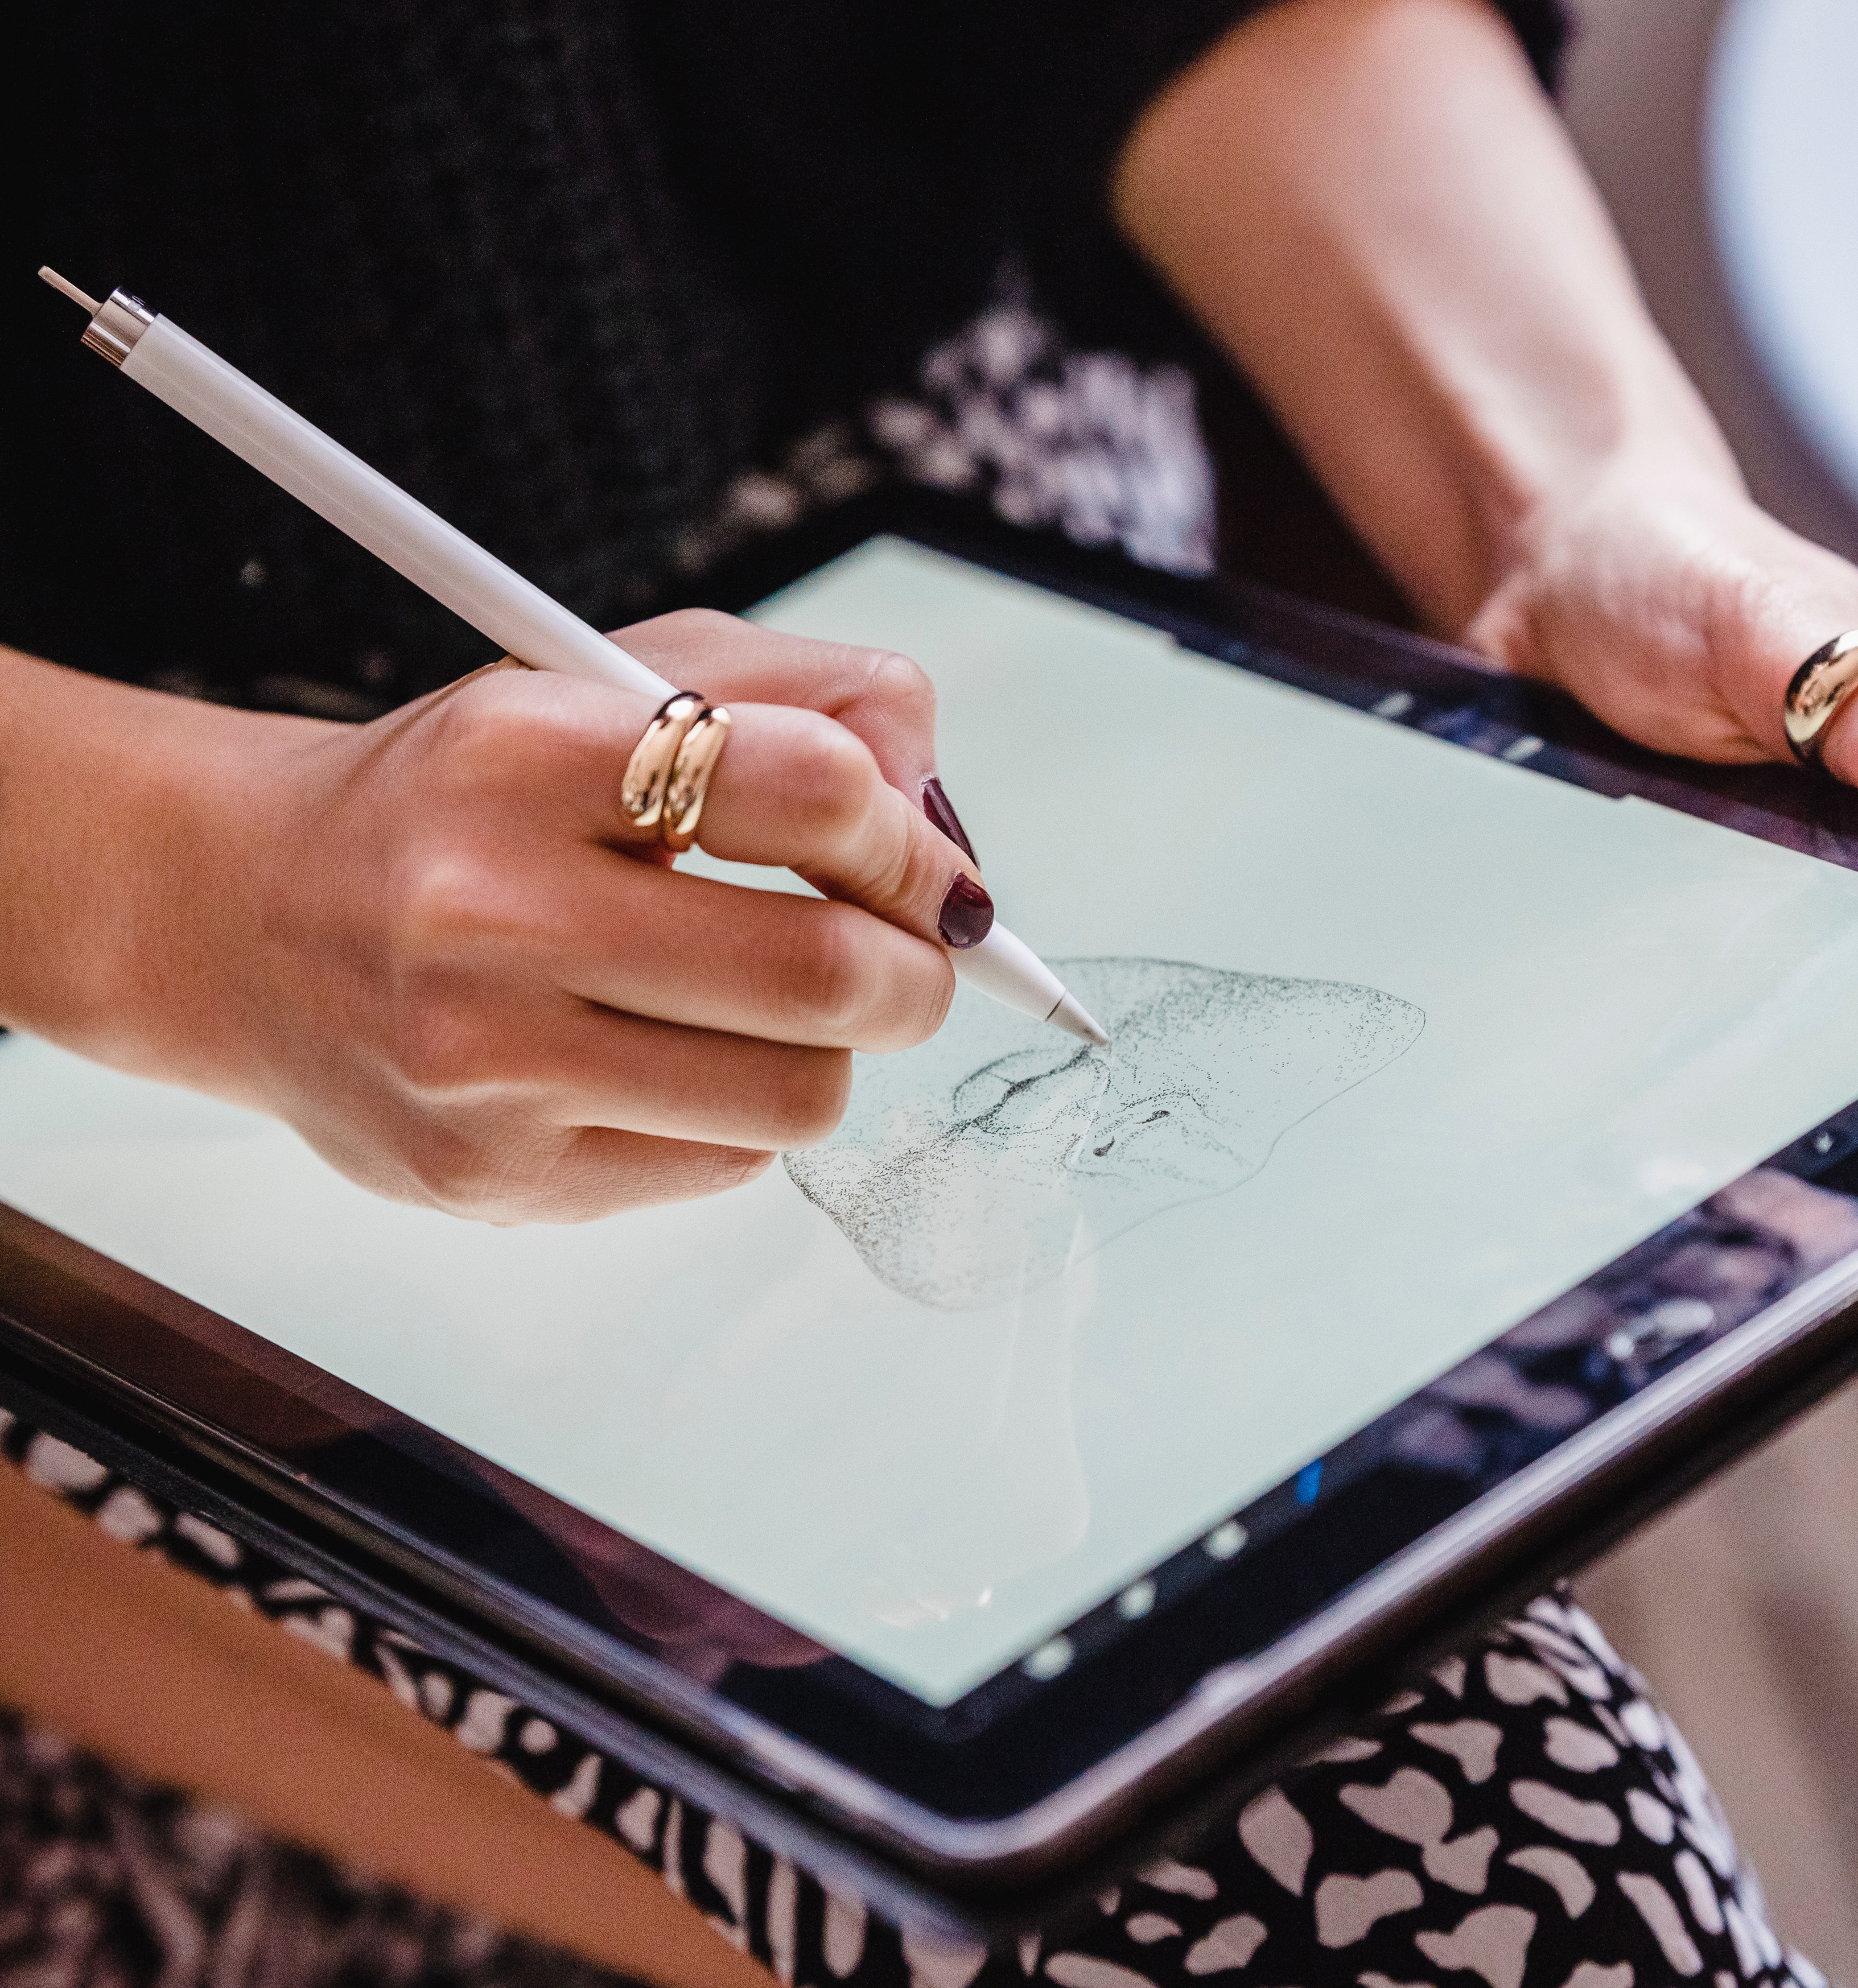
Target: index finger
(792,790)
(799,790)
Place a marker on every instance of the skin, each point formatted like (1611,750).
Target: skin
(1375,211)
(485,991)
(470,997)
(312,1750)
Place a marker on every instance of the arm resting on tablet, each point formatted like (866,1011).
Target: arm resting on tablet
(1373,209)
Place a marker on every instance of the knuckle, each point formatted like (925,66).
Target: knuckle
(826,773)
(897,682)
(838,978)
(685,632)
(436,1046)
(699,623)
(918,1011)
(807,1099)
(867,985)
(498,722)
(932,993)
(449,903)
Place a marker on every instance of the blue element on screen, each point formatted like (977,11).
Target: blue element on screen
(1309,1481)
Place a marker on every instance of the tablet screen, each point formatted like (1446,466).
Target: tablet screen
(1407,1042)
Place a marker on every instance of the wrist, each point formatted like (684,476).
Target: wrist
(1663,454)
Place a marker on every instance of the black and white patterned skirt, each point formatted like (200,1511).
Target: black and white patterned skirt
(1526,1819)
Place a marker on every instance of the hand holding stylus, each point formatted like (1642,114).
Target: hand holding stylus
(431,944)
(298,457)
(441,945)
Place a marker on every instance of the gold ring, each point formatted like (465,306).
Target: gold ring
(701,747)
(1819,687)
(648,772)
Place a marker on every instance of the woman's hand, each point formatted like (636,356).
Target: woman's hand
(433,945)
(1372,206)
(1674,607)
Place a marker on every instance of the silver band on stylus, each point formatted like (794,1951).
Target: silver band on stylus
(119,324)
(1819,687)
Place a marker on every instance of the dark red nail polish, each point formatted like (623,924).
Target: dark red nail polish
(966,915)
(935,805)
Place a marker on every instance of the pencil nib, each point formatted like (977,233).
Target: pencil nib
(69,289)
(1076,1019)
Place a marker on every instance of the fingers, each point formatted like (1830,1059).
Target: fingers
(465,1060)
(1678,612)
(524,875)
(884,699)
(796,789)
(596,1172)
(630,1074)
(504,1164)
(1782,618)
(793,790)
(787,968)
(516,1015)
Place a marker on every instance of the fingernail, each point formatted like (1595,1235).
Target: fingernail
(966,915)
(935,805)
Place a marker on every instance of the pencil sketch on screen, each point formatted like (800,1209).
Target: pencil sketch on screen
(987,1161)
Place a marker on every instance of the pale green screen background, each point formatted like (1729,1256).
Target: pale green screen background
(1616,1002)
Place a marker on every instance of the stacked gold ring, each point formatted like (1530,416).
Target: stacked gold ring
(1819,687)
(668,774)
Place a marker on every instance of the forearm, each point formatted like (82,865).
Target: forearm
(103,834)
(1373,209)
(122,811)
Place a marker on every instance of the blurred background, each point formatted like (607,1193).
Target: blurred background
(1716,134)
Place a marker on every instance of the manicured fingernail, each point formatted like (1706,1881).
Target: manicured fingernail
(966,915)
(935,805)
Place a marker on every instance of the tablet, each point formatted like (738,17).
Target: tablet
(1474,1149)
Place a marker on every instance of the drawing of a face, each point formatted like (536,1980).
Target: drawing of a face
(983,1164)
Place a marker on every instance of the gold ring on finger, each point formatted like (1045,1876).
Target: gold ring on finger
(701,747)
(1819,687)
(648,772)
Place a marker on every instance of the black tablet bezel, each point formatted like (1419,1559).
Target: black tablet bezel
(1026,1774)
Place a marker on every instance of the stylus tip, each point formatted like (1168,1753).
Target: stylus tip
(1076,1019)
(70,289)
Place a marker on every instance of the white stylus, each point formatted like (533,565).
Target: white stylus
(300,458)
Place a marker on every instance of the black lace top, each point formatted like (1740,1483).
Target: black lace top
(561,268)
